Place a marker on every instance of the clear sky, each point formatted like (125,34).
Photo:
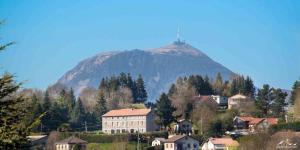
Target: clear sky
(256,38)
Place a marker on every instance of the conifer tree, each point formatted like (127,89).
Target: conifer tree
(264,99)
(78,114)
(164,111)
(295,87)
(47,103)
(278,103)
(100,108)
(140,90)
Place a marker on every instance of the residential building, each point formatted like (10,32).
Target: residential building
(37,141)
(128,121)
(253,124)
(158,141)
(71,143)
(220,144)
(181,142)
(238,100)
(221,100)
(183,126)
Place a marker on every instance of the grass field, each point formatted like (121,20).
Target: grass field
(115,146)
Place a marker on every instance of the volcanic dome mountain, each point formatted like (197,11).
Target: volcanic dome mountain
(160,67)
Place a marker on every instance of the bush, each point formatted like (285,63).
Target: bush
(106,138)
(294,126)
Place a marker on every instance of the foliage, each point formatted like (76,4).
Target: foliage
(294,126)
(254,141)
(295,87)
(165,111)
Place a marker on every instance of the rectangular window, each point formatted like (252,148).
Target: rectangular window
(167,145)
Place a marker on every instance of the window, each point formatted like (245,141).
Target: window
(167,145)
(171,145)
(189,145)
(195,145)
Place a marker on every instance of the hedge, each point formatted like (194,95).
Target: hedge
(106,138)
(294,126)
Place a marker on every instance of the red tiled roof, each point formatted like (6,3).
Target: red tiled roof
(272,120)
(127,112)
(254,121)
(224,141)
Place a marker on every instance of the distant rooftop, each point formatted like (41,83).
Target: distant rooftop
(72,140)
(127,112)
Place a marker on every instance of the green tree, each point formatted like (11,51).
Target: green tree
(218,84)
(56,116)
(141,91)
(100,108)
(249,88)
(278,103)
(47,103)
(78,114)
(264,99)
(295,87)
(164,111)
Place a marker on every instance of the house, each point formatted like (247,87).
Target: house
(37,141)
(205,100)
(237,100)
(181,142)
(128,121)
(221,100)
(253,124)
(220,144)
(158,141)
(71,143)
(183,126)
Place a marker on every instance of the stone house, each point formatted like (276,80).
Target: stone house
(71,143)
(128,121)
(181,142)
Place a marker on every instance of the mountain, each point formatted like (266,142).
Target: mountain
(160,67)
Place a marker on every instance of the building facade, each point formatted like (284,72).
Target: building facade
(128,121)
(220,144)
(181,142)
(71,143)
(237,100)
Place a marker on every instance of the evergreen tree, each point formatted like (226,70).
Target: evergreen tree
(100,108)
(278,103)
(47,103)
(249,88)
(56,116)
(295,87)
(12,131)
(218,84)
(141,91)
(264,99)
(78,114)
(164,111)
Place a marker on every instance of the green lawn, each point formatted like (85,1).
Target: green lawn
(114,146)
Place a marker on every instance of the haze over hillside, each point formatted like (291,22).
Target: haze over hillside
(160,67)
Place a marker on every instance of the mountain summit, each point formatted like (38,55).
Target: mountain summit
(160,67)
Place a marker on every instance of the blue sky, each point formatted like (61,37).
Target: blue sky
(256,38)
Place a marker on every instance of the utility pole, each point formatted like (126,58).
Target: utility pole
(41,127)
(85,126)
(138,138)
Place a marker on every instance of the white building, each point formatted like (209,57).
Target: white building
(70,144)
(158,141)
(237,100)
(181,142)
(128,121)
(221,100)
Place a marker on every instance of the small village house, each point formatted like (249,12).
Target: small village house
(220,144)
(253,124)
(234,102)
(181,142)
(128,121)
(183,126)
(158,141)
(221,100)
(71,143)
